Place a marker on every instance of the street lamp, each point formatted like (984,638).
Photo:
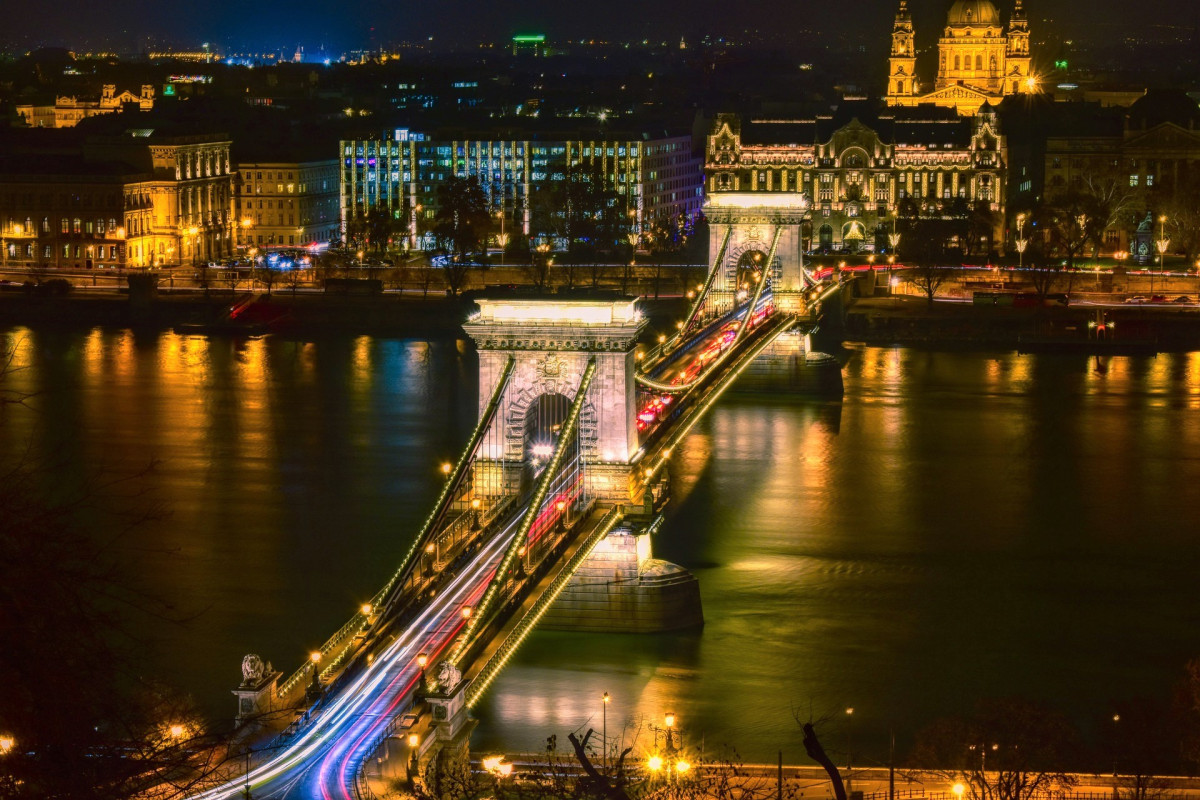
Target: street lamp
(1021,242)
(849,719)
(7,743)
(958,790)
(194,233)
(604,740)
(1163,242)
(314,689)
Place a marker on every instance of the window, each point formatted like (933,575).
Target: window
(1149,180)
(78,224)
(66,225)
(1133,180)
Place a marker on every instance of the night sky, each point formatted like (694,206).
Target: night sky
(358,23)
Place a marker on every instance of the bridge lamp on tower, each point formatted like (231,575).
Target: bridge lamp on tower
(476,504)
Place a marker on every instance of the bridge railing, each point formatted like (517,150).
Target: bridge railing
(335,649)
(491,668)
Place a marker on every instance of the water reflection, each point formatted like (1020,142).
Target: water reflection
(962,525)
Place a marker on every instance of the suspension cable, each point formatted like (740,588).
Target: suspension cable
(450,489)
(566,435)
(743,328)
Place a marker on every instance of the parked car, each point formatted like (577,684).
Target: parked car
(1137,298)
(1158,298)
(1183,298)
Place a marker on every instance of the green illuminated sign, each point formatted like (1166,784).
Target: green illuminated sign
(169,90)
(1061,64)
(530,38)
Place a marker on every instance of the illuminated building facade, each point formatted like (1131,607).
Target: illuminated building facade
(286,203)
(978,60)
(857,176)
(656,178)
(135,200)
(68,111)
(1150,152)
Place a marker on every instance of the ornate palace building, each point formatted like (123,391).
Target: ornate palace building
(860,169)
(137,198)
(978,62)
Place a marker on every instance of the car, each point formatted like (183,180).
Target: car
(1158,298)
(1182,299)
(1137,298)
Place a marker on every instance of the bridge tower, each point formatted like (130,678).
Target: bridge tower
(751,219)
(552,341)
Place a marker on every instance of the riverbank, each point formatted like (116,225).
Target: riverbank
(385,314)
(912,321)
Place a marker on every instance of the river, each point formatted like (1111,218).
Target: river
(963,525)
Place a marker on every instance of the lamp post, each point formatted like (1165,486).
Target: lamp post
(1161,245)
(194,234)
(422,660)
(314,689)
(1021,242)
(1116,721)
(849,727)
(604,731)
(413,742)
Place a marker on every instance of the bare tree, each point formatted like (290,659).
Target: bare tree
(1008,750)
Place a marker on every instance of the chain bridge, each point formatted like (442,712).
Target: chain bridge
(579,413)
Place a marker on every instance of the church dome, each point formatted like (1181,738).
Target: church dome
(973,12)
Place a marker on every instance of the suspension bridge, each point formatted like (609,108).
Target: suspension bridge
(577,423)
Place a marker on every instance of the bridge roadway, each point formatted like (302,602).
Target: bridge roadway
(321,760)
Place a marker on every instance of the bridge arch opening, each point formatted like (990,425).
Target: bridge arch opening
(544,419)
(748,270)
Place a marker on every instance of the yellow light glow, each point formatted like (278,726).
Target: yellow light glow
(670,719)
(492,763)
(1031,83)
(466,612)
(192,231)
(849,711)
(654,763)
(366,609)
(958,789)
(476,503)
(446,467)
(7,743)
(606,698)
(413,740)
(176,731)
(682,766)
(422,660)
(315,656)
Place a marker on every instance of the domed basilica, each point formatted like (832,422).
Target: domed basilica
(978,62)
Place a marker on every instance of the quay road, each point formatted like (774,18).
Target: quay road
(321,760)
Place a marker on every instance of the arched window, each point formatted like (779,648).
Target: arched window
(979,63)
(958,62)
(899,87)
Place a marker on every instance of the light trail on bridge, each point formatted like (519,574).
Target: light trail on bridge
(334,738)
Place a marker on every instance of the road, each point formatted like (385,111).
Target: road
(323,757)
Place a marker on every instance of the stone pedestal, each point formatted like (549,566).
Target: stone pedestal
(620,588)
(789,368)
(257,698)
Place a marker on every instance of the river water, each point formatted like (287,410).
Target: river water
(963,525)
